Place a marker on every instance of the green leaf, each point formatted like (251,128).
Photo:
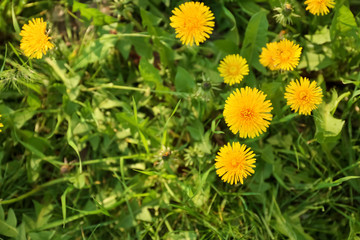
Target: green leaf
(96,50)
(184,82)
(343,22)
(78,180)
(255,39)
(14,20)
(150,73)
(11,220)
(7,230)
(320,36)
(196,130)
(92,15)
(8,227)
(144,215)
(33,101)
(41,235)
(233,33)
(335,183)
(21,232)
(328,127)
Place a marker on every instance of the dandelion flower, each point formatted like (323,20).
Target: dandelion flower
(318,7)
(288,55)
(193,22)
(1,125)
(35,41)
(233,68)
(247,112)
(303,96)
(267,56)
(234,163)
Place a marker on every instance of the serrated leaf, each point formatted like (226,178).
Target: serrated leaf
(327,126)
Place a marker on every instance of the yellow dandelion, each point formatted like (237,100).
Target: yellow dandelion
(288,55)
(193,22)
(303,96)
(233,68)
(318,7)
(1,125)
(35,41)
(234,163)
(247,112)
(267,56)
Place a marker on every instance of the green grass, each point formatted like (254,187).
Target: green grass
(113,134)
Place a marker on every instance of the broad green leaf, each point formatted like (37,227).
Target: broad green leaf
(342,22)
(28,146)
(232,34)
(33,101)
(8,227)
(21,232)
(142,47)
(320,37)
(184,82)
(11,218)
(96,50)
(149,20)
(255,39)
(21,117)
(144,215)
(150,73)
(328,127)
(79,180)
(226,46)
(7,230)
(92,15)
(249,6)
(124,44)
(196,130)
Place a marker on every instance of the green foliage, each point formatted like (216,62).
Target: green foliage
(113,134)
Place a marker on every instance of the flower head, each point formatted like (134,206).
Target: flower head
(233,68)
(247,112)
(318,7)
(303,96)
(283,55)
(288,55)
(193,22)
(234,163)
(267,56)
(35,41)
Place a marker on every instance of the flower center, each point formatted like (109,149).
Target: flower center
(285,55)
(247,114)
(304,97)
(233,70)
(192,24)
